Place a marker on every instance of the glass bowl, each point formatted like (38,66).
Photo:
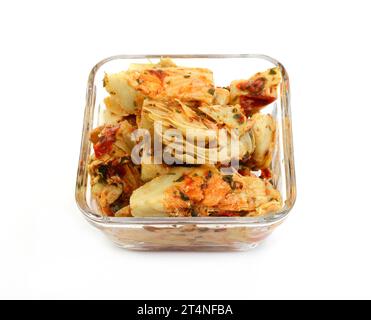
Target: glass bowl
(192,233)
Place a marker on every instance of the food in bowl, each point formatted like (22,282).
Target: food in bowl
(175,145)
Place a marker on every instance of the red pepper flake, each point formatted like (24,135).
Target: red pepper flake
(159,74)
(116,169)
(105,141)
(252,104)
(254,87)
(239,117)
(183,196)
(266,173)
(244,171)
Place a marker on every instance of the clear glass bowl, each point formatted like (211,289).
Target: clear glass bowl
(192,233)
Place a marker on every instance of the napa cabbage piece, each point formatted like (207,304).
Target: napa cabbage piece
(113,182)
(113,140)
(222,96)
(149,200)
(162,81)
(193,153)
(123,99)
(204,191)
(150,171)
(106,195)
(264,131)
(175,114)
(117,171)
(113,176)
(124,139)
(254,196)
(166,83)
(206,126)
(111,118)
(257,92)
(144,121)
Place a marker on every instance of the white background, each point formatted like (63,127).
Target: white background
(47,249)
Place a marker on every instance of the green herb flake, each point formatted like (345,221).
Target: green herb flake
(101,180)
(187,76)
(272,72)
(228,179)
(103,171)
(211,91)
(183,196)
(238,117)
(117,206)
(181,178)
(209,174)
(194,213)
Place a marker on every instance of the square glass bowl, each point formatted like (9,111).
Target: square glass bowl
(191,233)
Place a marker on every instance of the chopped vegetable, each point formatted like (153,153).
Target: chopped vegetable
(187,100)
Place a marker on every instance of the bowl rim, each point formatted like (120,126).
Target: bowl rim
(97,219)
